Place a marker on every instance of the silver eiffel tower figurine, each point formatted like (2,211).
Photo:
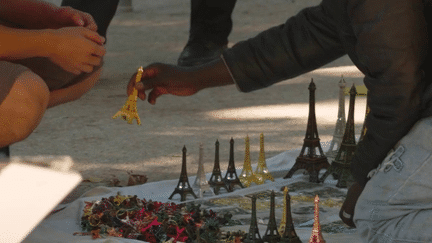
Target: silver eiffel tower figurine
(200,181)
(340,123)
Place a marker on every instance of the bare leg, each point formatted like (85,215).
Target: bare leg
(23,108)
(73,92)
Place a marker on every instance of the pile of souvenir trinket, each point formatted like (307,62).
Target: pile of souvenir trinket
(151,221)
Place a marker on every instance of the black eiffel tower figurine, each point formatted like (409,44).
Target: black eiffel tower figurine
(341,165)
(216,181)
(288,235)
(4,153)
(183,186)
(272,234)
(253,236)
(231,179)
(310,161)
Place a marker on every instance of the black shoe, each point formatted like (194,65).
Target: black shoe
(197,53)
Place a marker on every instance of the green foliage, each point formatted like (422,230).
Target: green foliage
(85,226)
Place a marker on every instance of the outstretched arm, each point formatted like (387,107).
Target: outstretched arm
(35,14)
(162,79)
(305,42)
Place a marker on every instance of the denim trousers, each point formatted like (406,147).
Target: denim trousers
(396,204)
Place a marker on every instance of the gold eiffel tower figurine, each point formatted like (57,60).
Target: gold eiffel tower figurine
(129,110)
(286,228)
(282,225)
(247,176)
(316,236)
(262,171)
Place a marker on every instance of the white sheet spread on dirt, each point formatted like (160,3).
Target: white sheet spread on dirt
(60,226)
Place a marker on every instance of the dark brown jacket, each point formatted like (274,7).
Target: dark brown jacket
(385,39)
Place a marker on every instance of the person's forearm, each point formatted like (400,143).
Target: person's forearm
(29,14)
(213,74)
(18,44)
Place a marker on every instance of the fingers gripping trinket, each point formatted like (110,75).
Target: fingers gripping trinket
(129,110)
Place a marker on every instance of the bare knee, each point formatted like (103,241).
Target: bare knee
(23,108)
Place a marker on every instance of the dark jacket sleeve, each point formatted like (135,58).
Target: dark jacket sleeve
(305,42)
(391,41)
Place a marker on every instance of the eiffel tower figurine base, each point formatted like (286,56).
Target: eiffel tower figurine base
(203,188)
(233,182)
(341,172)
(183,193)
(311,165)
(251,238)
(290,239)
(217,185)
(271,239)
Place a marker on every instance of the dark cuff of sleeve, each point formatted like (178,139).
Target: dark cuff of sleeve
(234,65)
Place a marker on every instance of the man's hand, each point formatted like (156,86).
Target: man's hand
(75,49)
(165,79)
(67,16)
(347,210)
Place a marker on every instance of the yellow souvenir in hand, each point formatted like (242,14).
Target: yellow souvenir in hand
(129,110)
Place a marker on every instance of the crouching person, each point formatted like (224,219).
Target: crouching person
(49,55)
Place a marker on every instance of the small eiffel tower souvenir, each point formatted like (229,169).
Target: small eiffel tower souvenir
(247,176)
(272,234)
(253,236)
(316,236)
(231,179)
(340,123)
(341,165)
(129,110)
(308,158)
(286,228)
(262,172)
(200,181)
(183,187)
(216,181)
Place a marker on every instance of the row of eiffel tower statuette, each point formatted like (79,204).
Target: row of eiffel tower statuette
(308,159)
(343,137)
(230,180)
(286,232)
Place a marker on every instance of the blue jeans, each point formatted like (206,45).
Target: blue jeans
(396,204)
